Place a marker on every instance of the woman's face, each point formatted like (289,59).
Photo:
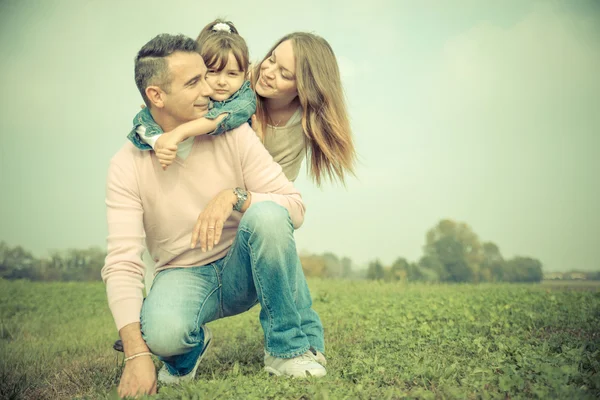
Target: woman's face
(277,79)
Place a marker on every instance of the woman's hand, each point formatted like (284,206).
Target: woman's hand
(209,226)
(139,377)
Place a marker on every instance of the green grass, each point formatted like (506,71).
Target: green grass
(384,341)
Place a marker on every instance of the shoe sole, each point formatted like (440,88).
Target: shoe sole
(275,372)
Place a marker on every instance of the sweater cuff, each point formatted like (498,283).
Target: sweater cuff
(126,312)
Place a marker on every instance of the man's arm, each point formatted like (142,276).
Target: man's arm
(123,272)
(265,179)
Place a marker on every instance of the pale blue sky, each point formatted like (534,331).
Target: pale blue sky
(481,111)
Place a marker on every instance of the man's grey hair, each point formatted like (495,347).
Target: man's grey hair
(151,66)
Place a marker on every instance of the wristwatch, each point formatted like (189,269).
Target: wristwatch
(242,196)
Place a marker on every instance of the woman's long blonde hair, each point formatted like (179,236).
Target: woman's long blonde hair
(330,149)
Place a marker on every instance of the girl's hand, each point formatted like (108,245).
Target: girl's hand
(166,149)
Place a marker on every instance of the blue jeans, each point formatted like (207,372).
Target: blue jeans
(263,267)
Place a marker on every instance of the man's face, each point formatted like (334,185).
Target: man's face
(188,95)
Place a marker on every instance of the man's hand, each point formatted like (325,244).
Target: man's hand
(139,377)
(166,148)
(210,222)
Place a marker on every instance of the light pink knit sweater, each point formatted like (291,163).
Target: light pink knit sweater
(143,201)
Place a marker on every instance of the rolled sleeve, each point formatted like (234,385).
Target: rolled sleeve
(145,131)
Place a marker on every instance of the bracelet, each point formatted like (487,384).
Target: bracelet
(146,353)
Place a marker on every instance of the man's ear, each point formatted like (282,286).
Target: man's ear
(156,96)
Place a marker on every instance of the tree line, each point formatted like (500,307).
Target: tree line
(60,265)
(86,264)
(454,253)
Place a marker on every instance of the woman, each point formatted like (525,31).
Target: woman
(301,111)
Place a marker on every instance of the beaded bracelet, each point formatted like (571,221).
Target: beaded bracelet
(146,353)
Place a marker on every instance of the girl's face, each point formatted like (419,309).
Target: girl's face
(227,81)
(277,79)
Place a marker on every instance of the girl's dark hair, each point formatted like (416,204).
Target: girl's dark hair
(217,39)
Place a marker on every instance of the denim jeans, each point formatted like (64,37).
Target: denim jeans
(263,267)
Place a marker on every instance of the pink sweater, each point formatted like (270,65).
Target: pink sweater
(145,202)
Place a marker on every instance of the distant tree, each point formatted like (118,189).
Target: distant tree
(333,266)
(492,267)
(313,265)
(346,267)
(594,276)
(402,270)
(457,247)
(399,270)
(16,262)
(432,268)
(523,269)
(450,252)
(375,271)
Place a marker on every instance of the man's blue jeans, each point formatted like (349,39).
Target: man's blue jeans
(263,267)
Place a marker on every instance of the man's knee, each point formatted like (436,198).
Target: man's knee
(168,336)
(267,218)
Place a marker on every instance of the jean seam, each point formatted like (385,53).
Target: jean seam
(264,297)
(220,288)
(229,253)
(201,308)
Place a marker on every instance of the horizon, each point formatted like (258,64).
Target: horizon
(481,113)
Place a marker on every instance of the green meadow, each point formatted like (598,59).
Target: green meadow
(385,341)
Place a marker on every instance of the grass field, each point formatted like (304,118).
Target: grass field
(385,341)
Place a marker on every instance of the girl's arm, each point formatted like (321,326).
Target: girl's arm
(239,109)
(197,127)
(165,145)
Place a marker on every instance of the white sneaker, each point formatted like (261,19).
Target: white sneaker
(319,357)
(302,366)
(165,377)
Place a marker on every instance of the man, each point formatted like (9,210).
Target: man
(224,193)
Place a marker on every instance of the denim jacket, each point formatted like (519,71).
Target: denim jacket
(239,108)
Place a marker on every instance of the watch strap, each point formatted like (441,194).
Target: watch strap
(242,196)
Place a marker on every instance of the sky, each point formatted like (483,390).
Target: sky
(483,112)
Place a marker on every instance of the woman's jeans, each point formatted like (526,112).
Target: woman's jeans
(263,267)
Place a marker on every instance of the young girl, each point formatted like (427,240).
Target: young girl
(225,54)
